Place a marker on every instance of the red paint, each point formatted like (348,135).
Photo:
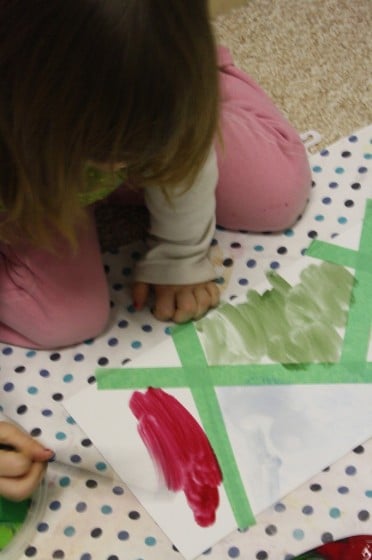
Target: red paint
(180,449)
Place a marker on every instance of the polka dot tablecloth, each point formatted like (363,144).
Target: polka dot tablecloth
(89,513)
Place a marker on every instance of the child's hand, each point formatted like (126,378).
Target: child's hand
(22,462)
(178,303)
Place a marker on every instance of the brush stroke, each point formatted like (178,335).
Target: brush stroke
(287,324)
(180,449)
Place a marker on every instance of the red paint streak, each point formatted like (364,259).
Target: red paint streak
(180,449)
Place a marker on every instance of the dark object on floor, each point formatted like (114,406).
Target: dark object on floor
(119,225)
(352,548)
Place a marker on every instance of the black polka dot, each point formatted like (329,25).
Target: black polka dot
(91,483)
(282,250)
(327,537)
(103,361)
(20,369)
(355,186)
(55,356)
(271,530)
(174,548)
(22,409)
(262,555)
(349,203)
(57,397)
(363,515)
(96,533)
(315,487)
(359,450)
(35,432)
(228,262)
(312,234)
(134,515)
(235,245)
(30,551)
(91,379)
(346,154)
(58,554)
(86,442)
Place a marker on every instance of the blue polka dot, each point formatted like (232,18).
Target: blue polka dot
(339,170)
(317,169)
(342,220)
(68,378)
(113,341)
(319,218)
(251,263)
(61,436)
(101,466)
(81,507)
(367,156)
(32,390)
(326,200)
(8,387)
(123,324)
(168,330)
(234,552)
(368,493)
(353,138)
(7,351)
(69,531)
(274,265)
(324,153)
(289,233)
(243,281)
(75,459)
(106,510)
(64,481)
(86,556)
(307,510)
(44,373)
(351,470)
(298,534)
(335,513)
(147,328)
(258,248)
(123,535)
(31,353)
(42,527)
(343,490)
(55,505)
(136,344)
(79,357)
(150,541)
(70,420)
(363,169)
(47,412)
(333,185)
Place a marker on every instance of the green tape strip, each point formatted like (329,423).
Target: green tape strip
(356,340)
(337,255)
(203,391)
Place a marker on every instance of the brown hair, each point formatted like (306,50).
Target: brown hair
(110,81)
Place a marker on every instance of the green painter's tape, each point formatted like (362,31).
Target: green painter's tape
(337,255)
(202,387)
(357,334)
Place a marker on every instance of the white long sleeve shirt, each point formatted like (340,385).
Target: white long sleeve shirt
(181,230)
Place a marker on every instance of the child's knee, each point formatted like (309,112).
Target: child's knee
(79,320)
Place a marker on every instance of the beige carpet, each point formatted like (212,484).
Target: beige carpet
(313,57)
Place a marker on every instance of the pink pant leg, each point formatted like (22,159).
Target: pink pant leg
(264,174)
(49,301)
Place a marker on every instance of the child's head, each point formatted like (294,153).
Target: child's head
(102,81)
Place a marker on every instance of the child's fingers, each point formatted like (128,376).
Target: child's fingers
(22,487)
(23,443)
(140,294)
(14,464)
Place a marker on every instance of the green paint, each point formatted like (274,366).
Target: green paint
(12,516)
(287,324)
